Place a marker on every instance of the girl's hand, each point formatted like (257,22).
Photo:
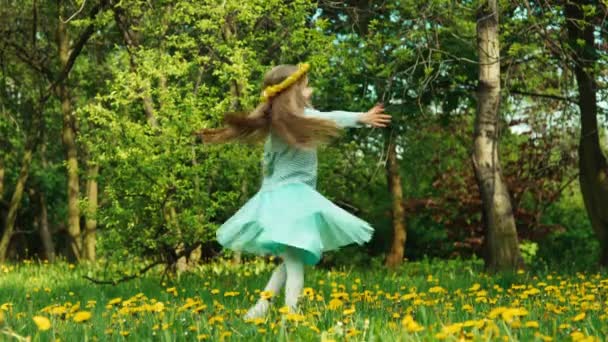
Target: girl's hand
(376,117)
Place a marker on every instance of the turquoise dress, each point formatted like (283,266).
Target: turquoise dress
(288,211)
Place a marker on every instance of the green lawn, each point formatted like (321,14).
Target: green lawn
(420,301)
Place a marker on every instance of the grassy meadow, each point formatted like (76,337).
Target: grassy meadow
(421,301)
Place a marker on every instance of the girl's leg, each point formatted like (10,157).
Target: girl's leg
(294,268)
(274,286)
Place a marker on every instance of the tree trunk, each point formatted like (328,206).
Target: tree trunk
(501,243)
(170,215)
(593,169)
(9,228)
(1,180)
(45,231)
(91,220)
(69,143)
(395,256)
(196,255)
(43,226)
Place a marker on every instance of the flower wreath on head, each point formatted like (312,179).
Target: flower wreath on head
(272,90)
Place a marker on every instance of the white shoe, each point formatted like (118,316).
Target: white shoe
(259,310)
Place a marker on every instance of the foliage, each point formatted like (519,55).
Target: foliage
(161,191)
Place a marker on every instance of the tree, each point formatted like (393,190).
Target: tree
(502,247)
(46,69)
(593,168)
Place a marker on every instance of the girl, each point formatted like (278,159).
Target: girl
(288,217)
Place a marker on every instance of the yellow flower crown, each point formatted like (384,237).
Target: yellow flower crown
(272,90)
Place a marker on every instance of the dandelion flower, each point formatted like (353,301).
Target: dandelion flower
(82,316)
(531,324)
(42,323)
(349,311)
(579,317)
(410,325)
(335,304)
(115,301)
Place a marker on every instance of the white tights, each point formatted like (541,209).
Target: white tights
(291,273)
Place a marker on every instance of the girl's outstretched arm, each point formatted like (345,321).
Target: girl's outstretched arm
(374,117)
(340,117)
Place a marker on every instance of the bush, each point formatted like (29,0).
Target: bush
(575,246)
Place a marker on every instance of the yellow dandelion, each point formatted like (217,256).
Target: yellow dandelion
(531,324)
(577,336)
(475,287)
(409,296)
(266,295)
(515,324)
(295,317)
(215,319)
(199,308)
(189,304)
(510,313)
(411,325)
(579,317)
(256,321)
(42,323)
(441,336)
(334,304)
(82,316)
(452,328)
(352,332)
(158,307)
(349,311)
(115,301)
(496,312)
(474,323)
(482,293)
(437,289)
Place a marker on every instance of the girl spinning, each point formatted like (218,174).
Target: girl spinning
(288,217)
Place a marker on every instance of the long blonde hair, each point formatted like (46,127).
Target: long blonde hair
(283,115)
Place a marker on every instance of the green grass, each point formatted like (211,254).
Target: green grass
(441,297)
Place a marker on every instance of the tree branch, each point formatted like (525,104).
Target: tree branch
(127,278)
(169,262)
(547,96)
(77,48)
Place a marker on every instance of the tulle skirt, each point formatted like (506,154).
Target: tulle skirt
(294,215)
